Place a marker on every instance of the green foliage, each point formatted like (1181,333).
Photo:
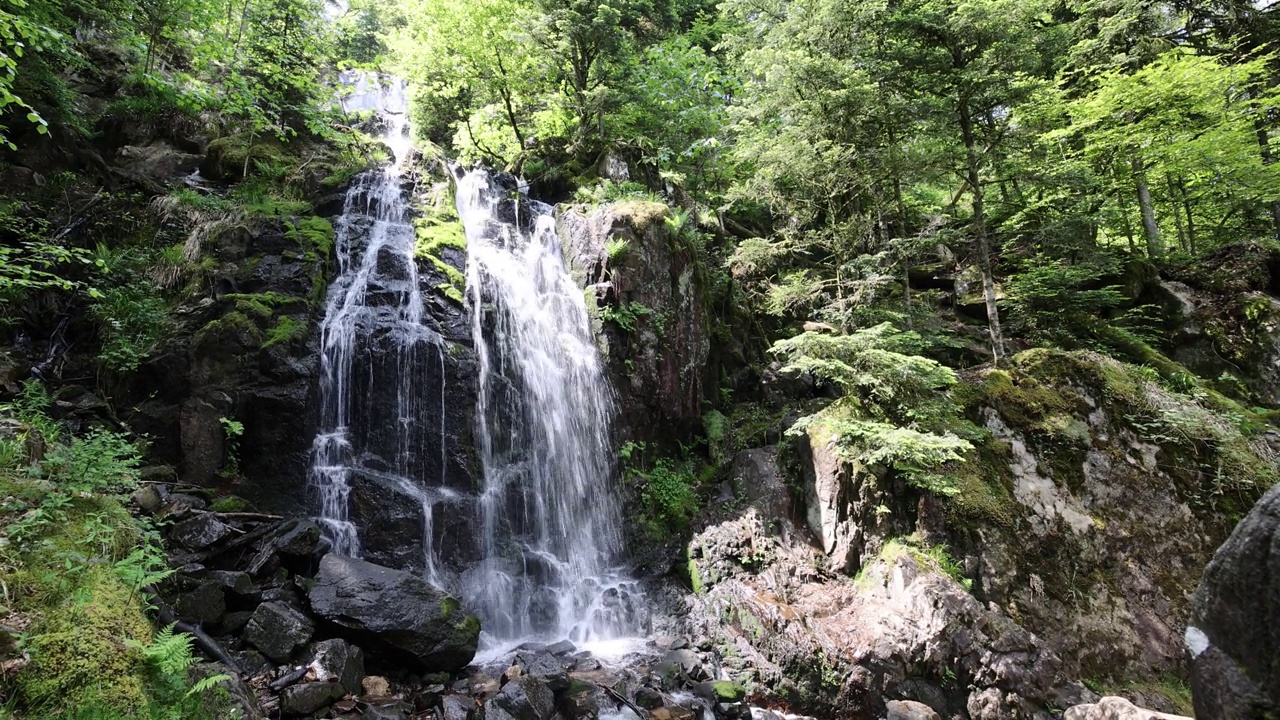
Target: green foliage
(286,331)
(315,234)
(668,497)
(625,314)
(895,411)
(132,319)
(1060,302)
(73,563)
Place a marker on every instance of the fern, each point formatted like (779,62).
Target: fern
(169,652)
(207,684)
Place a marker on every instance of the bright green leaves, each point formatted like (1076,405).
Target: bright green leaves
(16,32)
(896,410)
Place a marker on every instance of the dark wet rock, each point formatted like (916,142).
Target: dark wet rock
(278,630)
(658,368)
(758,480)
(393,710)
(158,162)
(545,666)
(395,609)
(526,698)
(648,698)
(456,707)
(233,623)
(339,661)
(204,604)
(564,647)
(1234,633)
(579,702)
(307,698)
(684,661)
(237,582)
(294,539)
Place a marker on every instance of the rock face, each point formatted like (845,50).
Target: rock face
(648,277)
(793,634)
(1234,633)
(396,609)
(1057,514)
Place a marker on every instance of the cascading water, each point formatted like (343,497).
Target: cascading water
(373,336)
(549,521)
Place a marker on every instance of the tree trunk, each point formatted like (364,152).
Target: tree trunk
(980,233)
(1155,246)
(1264,147)
(1191,222)
(1177,215)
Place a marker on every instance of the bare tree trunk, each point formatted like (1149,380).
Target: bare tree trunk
(1191,222)
(1264,147)
(1177,215)
(1155,245)
(980,233)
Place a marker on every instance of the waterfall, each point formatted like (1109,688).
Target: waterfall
(549,523)
(372,336)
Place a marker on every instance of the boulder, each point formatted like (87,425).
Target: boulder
(278,630)
(235,581)
(396,609)
(306,698)
(456,707)
(525,698)
(1234,633)
(1110,708)
(580,703)
(545,666)
(204,604)
(338,661)
(909,710)
(723,691)
(296,538)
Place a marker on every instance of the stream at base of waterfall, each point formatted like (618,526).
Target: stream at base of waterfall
(546,519)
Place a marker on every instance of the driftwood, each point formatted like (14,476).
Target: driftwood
(290,678)
(249,537)
(642,714)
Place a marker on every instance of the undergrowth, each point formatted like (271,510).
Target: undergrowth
(74,565)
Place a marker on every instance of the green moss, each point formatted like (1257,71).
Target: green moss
(286,331)
(456,278)
(729,692)
(436,231)
(640,214)
(452,292)
(234,325)
(230,504)
(263,305)
(449,605)
(314,234)
(79,654)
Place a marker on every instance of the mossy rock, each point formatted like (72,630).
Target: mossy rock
(640,214)
(83,654)
(225,158)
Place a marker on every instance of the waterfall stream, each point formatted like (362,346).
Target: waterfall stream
(550,523)
(373,328)
(543,547)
